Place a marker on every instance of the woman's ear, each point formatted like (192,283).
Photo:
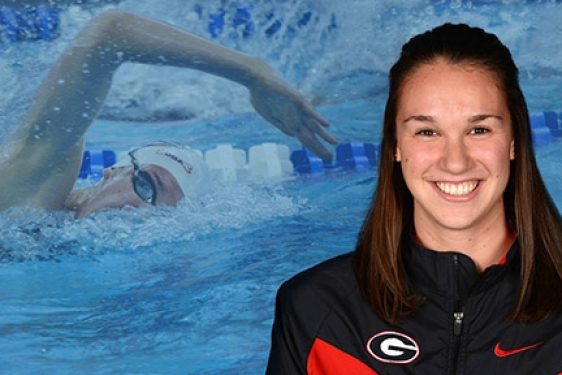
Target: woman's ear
(397,155)
(512,150)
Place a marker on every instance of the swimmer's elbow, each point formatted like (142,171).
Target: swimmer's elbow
(112,18)
(102,28)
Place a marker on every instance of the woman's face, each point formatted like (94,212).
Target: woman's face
(454,143)
(116,190)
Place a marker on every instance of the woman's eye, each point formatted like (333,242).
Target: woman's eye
(479,131)
(426,132)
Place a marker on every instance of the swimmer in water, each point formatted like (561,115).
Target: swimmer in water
(40,160)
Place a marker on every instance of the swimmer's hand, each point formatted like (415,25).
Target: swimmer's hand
(285,108)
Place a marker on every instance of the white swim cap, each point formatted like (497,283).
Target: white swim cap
(185,164)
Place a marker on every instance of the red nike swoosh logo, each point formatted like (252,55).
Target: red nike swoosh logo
(504,353)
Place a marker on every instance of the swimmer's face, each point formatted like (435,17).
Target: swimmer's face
(116,190)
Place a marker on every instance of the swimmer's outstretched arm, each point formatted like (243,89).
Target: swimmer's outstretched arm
(40,161)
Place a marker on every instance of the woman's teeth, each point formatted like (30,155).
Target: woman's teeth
(463,188)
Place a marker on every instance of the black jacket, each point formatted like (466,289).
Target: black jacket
(323,327)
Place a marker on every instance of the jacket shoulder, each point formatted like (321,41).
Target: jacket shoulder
(315,291)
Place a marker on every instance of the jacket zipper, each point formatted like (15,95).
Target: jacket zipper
(458,316)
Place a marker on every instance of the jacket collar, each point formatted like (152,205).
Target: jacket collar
(451,273)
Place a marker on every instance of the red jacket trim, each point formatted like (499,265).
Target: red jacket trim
(326,359)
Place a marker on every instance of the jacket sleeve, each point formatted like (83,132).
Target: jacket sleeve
(289,345)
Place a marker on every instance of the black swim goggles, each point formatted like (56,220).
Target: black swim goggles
(143,184)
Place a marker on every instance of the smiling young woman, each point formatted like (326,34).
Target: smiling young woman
(458,266)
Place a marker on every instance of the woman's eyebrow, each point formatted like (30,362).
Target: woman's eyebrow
(483,117)
(419,118)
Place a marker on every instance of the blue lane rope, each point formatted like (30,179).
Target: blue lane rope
(350,156)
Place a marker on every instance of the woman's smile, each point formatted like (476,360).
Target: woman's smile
(457,188)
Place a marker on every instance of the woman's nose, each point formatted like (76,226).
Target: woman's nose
(455,158)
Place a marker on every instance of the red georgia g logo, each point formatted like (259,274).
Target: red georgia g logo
(393,347)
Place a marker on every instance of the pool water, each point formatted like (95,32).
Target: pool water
(191,290)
